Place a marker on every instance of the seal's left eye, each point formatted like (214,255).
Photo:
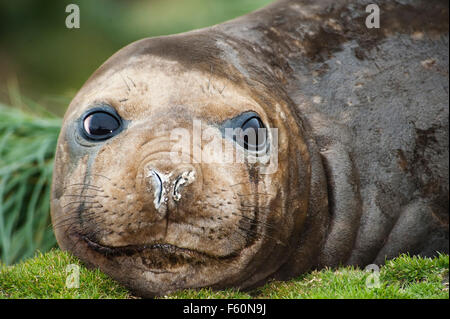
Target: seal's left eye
(100,125)
(251,136)
(248,131)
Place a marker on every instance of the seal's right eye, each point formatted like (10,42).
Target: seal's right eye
(100,124)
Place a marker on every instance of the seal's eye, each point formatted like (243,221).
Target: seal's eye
(253,135)
(100,124)
(248,131)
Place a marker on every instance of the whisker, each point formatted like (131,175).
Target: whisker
(82,202)
(67,220)
(83,184)
(85,189)
(88,196)
(250,220)
(93,187)
(62,222)
(79,209)
(68,214)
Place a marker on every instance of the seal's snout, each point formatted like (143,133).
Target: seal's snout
(169,186)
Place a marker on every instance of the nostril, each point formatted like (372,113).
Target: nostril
(157,186)
(184,179)
(176,189)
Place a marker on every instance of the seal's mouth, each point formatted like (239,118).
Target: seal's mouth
(156,255)
(129,250)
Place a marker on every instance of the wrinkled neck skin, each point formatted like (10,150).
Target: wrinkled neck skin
(301,65)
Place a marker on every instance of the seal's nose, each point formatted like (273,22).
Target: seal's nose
(169,186)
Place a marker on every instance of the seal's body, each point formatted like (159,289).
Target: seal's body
(362,148)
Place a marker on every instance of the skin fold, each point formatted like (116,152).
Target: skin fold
(362,158)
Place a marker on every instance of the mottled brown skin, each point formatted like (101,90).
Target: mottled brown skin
(348,190)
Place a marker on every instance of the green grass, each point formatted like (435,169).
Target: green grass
(44,276)
(27,146)
(405,277)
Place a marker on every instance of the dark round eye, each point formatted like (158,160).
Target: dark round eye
(253,134)
(100,125)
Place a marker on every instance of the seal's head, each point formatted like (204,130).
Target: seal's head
(141,189)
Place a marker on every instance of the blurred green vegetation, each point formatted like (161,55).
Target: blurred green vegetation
(50,62)
(42,66)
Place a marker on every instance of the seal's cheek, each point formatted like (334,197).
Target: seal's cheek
(70,197)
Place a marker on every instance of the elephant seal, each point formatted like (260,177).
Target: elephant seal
(361,174)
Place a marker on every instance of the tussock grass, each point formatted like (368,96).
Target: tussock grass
(405,277)
(27,146)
